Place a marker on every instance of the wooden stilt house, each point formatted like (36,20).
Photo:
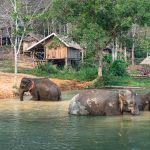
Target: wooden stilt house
(29,40)
(59,50)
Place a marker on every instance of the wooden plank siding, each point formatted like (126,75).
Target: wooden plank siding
(55,53)
(28,44)
(58,53)
(73,54)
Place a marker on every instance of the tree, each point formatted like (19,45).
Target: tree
(143,40)
(20,15)
(96,23)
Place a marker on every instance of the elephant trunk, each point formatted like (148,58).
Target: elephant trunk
(135,111)
(21,93)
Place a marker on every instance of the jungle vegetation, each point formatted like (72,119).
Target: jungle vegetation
(123,26)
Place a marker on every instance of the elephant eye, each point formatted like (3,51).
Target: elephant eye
(131,102)
(125,103)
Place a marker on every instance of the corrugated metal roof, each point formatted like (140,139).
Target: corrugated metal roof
(64,39)
(146,61)
(32,36)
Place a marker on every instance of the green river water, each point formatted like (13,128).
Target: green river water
(31,125)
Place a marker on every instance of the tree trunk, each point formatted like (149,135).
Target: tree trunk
(99,55)
(116,49)
(100,65)
(133,45)
(66,63)
(125,54)
(113,52)
(100,69)
(16,68)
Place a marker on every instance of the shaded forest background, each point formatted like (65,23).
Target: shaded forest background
(97,25)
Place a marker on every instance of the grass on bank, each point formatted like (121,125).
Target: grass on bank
(6,66)
(85,74)
(124,81)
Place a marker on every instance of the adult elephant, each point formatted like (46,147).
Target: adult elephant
(40,89)
(103,103)
(143,101)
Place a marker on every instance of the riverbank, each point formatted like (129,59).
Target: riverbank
(7,82)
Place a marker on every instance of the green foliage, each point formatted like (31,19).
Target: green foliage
(144,45)
(139,53)
(108,59)
(48,68)
(119,68)
(6,66)
(122,81)
(113,70)
(14,15)
(55,43)
(97,23)
(87,72)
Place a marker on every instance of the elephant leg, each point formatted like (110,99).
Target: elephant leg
(35,96)
(53,97)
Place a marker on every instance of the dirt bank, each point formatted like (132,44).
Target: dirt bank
(7,81)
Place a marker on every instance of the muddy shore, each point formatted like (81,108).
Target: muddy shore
(7,82)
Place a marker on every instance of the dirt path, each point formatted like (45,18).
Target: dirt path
(7,80)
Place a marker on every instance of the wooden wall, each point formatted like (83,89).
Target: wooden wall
(60,52)
(27,44)
(55,53)
(73,54)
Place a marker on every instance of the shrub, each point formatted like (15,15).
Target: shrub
(48,67)
(119,68)
(87,71)
(87,74)
(113,70)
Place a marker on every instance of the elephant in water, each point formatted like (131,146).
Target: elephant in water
(103,103)
(40,89)
(143,101)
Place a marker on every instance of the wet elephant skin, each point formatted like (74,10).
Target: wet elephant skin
(40,89)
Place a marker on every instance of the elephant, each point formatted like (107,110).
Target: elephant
(103,103)
(143,101)
(40,89)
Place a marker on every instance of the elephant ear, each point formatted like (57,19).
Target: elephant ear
(28,84)
(122,99)
(31,85)
(126,97)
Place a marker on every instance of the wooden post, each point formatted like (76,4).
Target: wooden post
(82,56)
(45,54)
(66,59)
(66,62)
(133,46)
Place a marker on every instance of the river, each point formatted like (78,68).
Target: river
(31,125)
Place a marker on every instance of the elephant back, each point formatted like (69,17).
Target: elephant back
(91,102)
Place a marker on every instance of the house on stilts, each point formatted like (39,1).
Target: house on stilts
(59,50)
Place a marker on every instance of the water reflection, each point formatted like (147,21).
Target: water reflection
(30,125)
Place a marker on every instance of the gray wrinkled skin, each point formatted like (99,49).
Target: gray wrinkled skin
(76,107)
(40,89)
(102,102)
(143,101)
